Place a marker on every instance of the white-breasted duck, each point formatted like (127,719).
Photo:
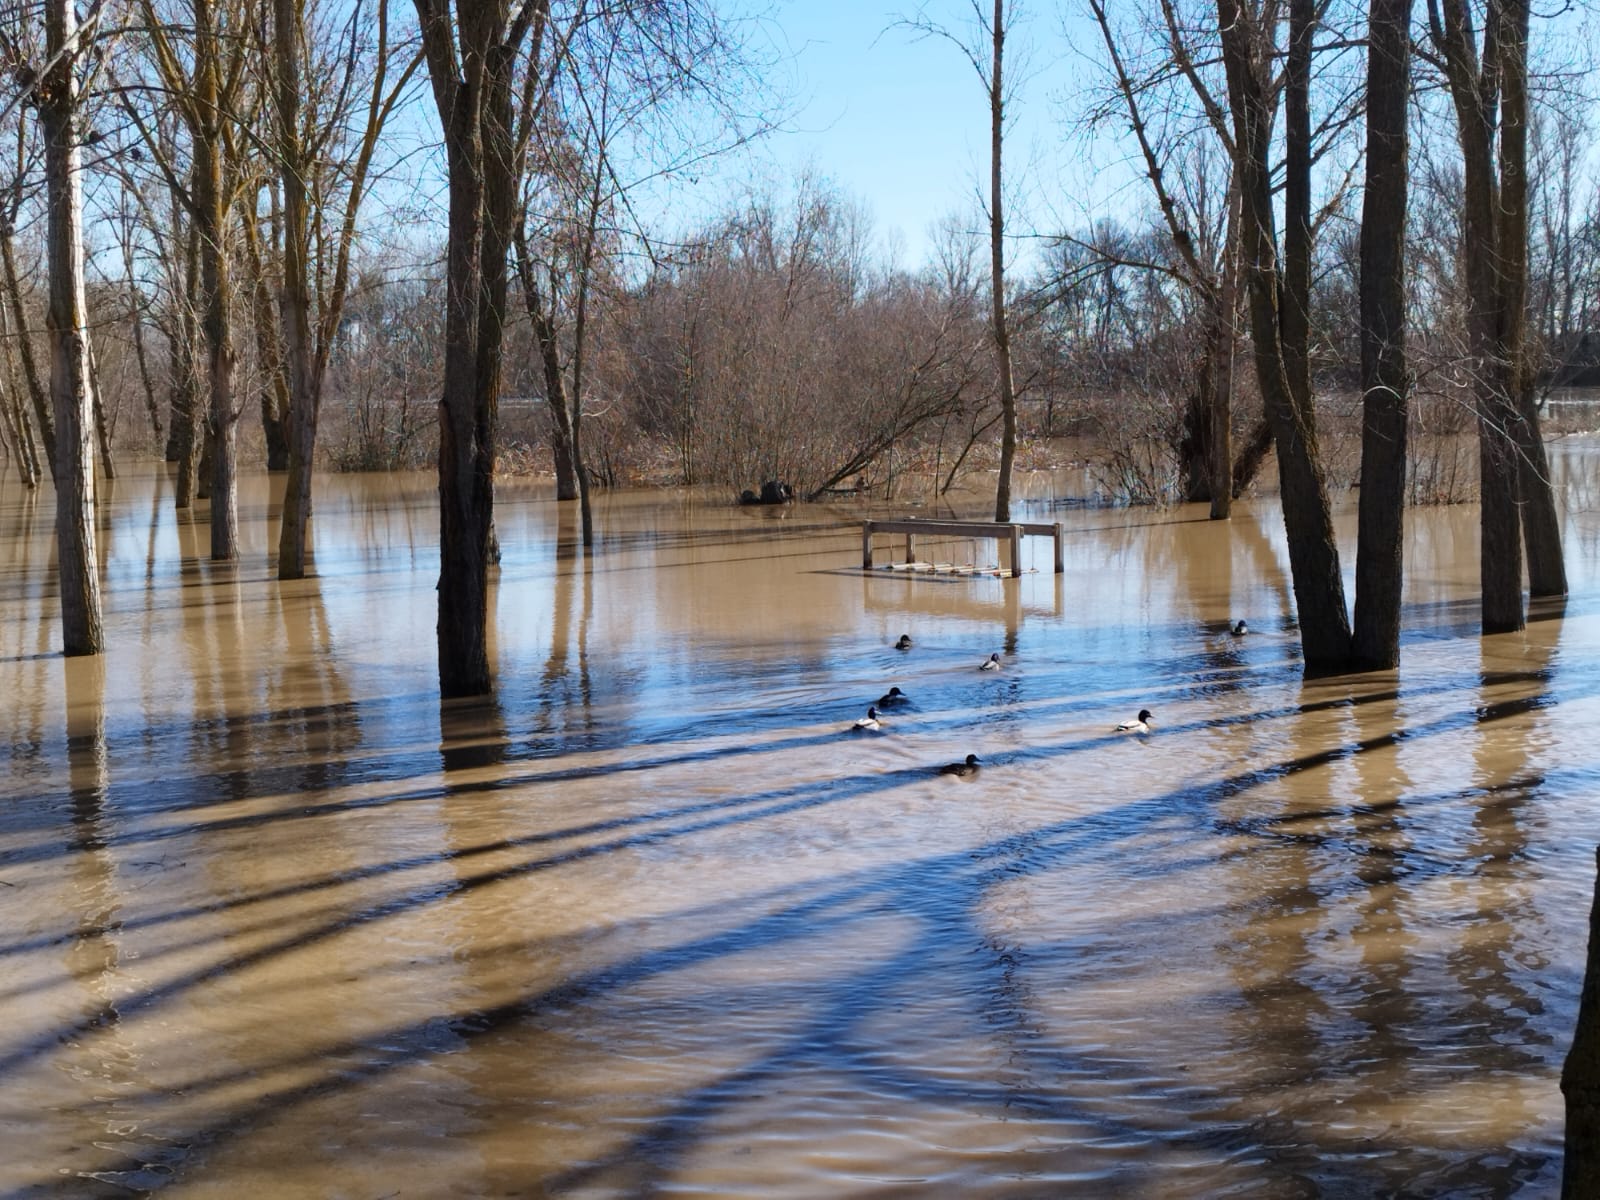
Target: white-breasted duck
(868,723)
(1140,724)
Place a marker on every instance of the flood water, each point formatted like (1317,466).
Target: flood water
(275,923)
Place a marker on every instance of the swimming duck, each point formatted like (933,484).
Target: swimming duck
(969,767)
(1239,629)
(1140,724)
(992,663)
(904,643)
(894,696)
(868,723)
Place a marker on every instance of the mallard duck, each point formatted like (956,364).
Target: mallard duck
(968,767)
(1140,724)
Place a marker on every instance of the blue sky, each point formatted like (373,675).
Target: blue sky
(901,123)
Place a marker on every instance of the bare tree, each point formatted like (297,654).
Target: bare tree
(1385,384)
(1489,91)
(315,284)
(205,82)
(471,54)
(985,52)
(78,565)
(1280,302)
(1207,264)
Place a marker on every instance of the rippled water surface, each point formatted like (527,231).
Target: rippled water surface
(274,922)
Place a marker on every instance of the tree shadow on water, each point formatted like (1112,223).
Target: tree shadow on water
(951,949)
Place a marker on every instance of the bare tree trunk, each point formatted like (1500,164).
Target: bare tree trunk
(1476,89)
(211,218)
(270,350)
(288,19)
(184,429)
(141,354)
(997,267)
(30,367)
(555,388)
(27,448)
(1281,368)
(102,427)
(1384,383)
(1224,338)
(78,564)
(1541,523)
(472,90)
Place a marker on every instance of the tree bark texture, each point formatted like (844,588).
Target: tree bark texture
(472,90)
(1313,552)
(304,384)
(1384,385)
(1541,522)
(216,283)
(70,384)
(1494,247)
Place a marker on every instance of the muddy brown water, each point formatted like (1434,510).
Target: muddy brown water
(275,923)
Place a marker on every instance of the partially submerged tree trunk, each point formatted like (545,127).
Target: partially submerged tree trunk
(304,391)
(1490,97)
(310,329)
(1541,523)
(1385,385)
(77,562)
(205,99)
(183,366)
(472,90)
(1278,312)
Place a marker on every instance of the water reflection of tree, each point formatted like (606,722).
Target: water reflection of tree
(563,694)
(92,951)
(1492,959)
(1385,1002)
(1275,1030)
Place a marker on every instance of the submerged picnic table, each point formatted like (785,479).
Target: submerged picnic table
(1009,531)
